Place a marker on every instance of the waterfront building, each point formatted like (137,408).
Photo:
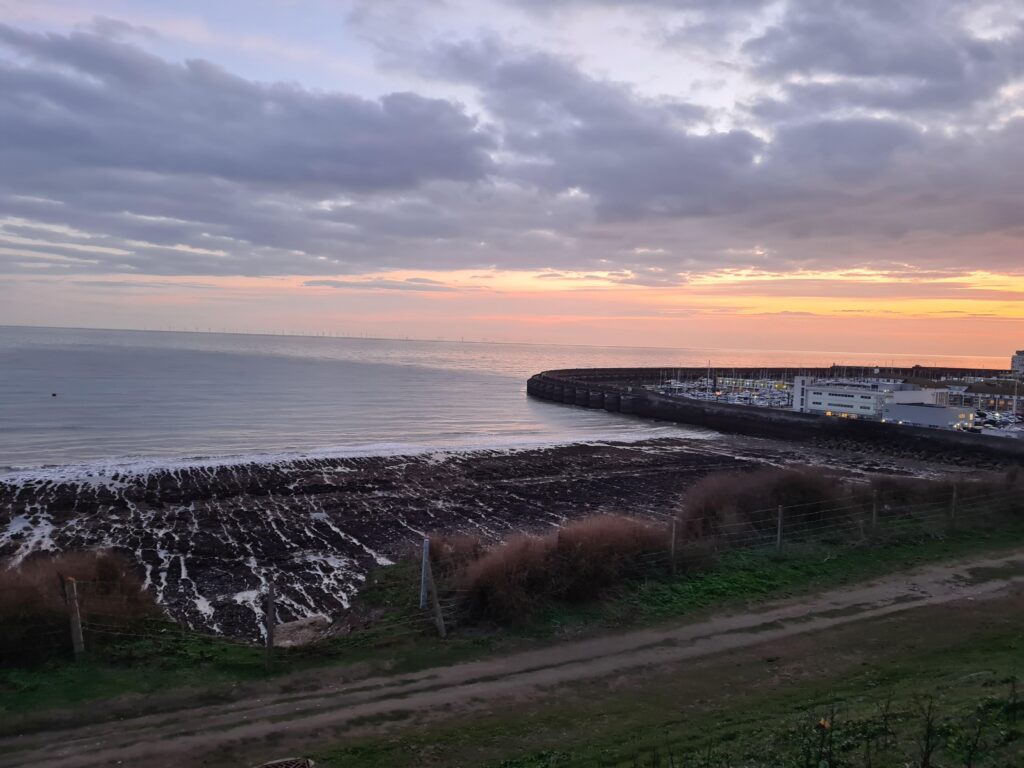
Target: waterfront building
(999,395)
(1017,363)
(865,398)
(846,400)
(928,415)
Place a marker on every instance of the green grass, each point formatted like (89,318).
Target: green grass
(748,577)
(754,712)
(212,668)
(126,667)
(178,664)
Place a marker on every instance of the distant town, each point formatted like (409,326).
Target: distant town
(988,404)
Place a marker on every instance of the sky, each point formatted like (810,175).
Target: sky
(783,174)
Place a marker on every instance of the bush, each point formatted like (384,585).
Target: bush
(907,491)
(509,581)
(574,564)
(34,616)
(595,553)
(583,560)
(990,499)
(734,505)
(450,554)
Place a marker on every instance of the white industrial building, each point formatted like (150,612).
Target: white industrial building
(925,415)
(847,400)
(912,395)
(879,400)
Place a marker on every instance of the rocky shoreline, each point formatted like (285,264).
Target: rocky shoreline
(208,538)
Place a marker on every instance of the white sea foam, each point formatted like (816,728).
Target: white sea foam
(117,472)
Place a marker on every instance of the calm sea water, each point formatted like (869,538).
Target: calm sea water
(157,397)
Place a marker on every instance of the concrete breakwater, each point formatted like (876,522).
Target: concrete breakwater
(621,390)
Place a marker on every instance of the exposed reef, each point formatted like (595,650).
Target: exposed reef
(208,537)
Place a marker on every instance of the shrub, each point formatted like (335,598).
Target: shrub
(576,563)
(509,582)
(34,616)
(595,553)
(735,505)
(450,554)
(584,559)
(906,491)
(984,499)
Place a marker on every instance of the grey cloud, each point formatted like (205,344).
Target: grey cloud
(159,158)
(852,150)
(188,169)
(115,28)
(654,277)
(572,130)
(127,110)
(129,285)
(730,7)
(886,54)
(409,284)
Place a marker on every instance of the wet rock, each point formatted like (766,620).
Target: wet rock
(207,539)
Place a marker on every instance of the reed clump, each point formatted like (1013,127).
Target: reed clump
(585,559)
(734,505)
(34,605)
(576,563)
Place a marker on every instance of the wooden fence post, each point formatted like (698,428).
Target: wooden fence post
(438,615)
(778,532)
(672,548)
(269,620)
(424,569)
(77,639)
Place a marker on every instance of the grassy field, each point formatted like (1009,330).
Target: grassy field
(857,695)
(179,666)
(747,577)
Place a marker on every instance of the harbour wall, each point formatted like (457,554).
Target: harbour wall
(620,390)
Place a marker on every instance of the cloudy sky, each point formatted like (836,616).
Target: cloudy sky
(795,174)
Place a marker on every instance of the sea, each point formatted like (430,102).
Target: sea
(80,398)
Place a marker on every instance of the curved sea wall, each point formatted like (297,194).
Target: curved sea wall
(621,390)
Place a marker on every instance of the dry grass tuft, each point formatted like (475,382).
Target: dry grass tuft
(34,615)
(450,554)
(576,563)
(735,504)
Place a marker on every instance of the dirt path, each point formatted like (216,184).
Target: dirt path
(185,737)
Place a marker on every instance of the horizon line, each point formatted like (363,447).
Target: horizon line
(329,335)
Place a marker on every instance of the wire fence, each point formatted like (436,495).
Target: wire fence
(105,621)
(577,563)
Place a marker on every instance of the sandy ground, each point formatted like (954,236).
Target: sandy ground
(283,722)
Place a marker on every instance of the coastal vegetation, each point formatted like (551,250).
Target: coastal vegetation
(729,515)
(35,601)
(597,574)
(922,688)
(576,563)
